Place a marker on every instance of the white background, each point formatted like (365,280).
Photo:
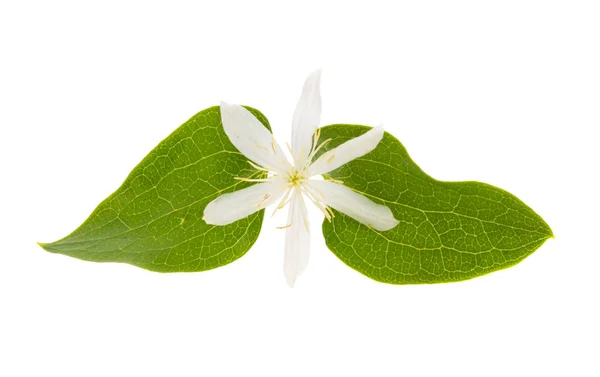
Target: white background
(505,92)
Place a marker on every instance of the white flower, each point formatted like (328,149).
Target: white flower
(290,183)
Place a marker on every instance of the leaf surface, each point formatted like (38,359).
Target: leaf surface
(154,220)
(448,231)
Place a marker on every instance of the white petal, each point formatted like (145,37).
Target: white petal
(306,118)
(251,138)
(297,240)
(355,205)
(233,206)
(344,153)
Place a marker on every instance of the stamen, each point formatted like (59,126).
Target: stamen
(323,210)
(317,203)
(273,144)
(315,191)
(252,180)
(283,227)
(289,148)
(257,167)
(330,158)
(284,201)
(316,137)
(322,144)
(266,197)
(315,150)
(260,147)
(334,180)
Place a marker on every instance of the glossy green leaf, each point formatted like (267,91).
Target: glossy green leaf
(448,231)
(154,220)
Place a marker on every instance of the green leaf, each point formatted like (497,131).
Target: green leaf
(448,231)
(154,220)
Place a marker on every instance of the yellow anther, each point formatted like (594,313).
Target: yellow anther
(266,197)
(316,136)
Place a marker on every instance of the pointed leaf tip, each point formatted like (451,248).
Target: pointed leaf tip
(153,220)
(448,231)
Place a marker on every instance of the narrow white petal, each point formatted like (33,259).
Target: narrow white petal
(306,117)
(297,240)
(233,206)
(355,205)
(344,153)
(251,138)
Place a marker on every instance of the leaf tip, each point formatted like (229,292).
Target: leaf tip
(549,231)
(45,246)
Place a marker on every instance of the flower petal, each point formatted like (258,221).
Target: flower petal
(307,117)
(297,239)
(355,205)
(237,205)
(344,153)
(251,138)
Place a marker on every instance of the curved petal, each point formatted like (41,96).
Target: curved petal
(237,205)
(297,240)
(344,153)
(251,138)
(306,118)
(355,205)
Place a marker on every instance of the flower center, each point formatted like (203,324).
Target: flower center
(296,178)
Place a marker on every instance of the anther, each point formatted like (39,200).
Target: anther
(266,197)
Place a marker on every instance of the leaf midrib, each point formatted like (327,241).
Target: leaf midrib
(149,222)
